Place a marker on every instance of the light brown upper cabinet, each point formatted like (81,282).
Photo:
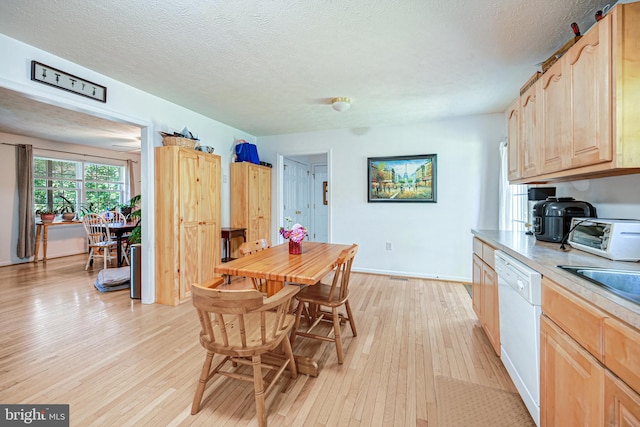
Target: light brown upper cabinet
(529,133)
(588,67)
(553,106)
(587,107)
(513,129)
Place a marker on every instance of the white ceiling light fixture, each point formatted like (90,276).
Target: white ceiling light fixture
(341,104)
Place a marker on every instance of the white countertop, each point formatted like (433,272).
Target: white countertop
(545,257)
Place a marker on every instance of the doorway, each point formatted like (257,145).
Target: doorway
(52,118)
(304,193)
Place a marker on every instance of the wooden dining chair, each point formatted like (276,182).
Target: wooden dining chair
(248,248)
(118,217)
(243,326)
(334,295)
(99,238)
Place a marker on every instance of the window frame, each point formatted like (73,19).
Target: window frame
(80,178)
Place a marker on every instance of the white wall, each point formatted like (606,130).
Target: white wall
(613,197)
(428,239)
(124,104)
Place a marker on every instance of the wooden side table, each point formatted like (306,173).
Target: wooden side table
(40,226)
(229,233)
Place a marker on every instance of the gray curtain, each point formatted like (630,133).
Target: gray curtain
(132,183)
(26,216)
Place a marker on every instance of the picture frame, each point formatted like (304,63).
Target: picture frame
(324,193)
(47,75)
(402,179)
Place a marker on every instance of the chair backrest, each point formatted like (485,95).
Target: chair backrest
(342,273)
(255,323)
(97,228)
(248,248)
(114,216)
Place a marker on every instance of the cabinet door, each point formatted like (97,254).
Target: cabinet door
(476,287)
(554,114)
(209,234)
(622,403)
(529,133)
(513,129)
(264,203)
(588,64)
(571,381)
(253,204)
(622,351)
(189,198)
(490,315)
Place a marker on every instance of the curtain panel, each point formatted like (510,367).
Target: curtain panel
(26,216)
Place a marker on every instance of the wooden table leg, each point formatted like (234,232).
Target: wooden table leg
(44,243)
(273,286)
(38,234)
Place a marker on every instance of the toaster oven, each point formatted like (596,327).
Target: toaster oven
(616,239)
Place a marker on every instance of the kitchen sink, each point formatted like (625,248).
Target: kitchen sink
(624,283)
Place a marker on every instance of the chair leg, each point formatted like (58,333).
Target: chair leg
(125,256)
(336,331)
(258,387)
(289,353)
(86,267)
(352,321)
(202,383)
(106,252)
(296,324)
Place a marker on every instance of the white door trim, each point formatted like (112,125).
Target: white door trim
(276,207)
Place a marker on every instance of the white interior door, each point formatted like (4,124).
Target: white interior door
(320,210)
(296,184)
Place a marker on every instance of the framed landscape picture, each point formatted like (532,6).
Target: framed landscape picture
(402,178)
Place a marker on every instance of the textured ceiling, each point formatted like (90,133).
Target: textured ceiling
(271,67)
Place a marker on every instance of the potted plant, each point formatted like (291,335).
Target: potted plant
(135,256)
(135,215)
(67,209)
(46,215)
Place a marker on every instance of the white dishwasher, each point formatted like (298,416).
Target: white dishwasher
(519,295)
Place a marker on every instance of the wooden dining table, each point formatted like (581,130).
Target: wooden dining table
(278,267)
(119,229)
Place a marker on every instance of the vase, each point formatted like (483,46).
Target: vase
(295,248)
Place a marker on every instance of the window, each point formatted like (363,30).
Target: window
(99,187)
(513,199)
(519,207)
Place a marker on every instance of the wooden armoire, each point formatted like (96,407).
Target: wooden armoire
(187,215)
(251,200)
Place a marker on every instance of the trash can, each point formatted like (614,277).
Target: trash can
(136,271)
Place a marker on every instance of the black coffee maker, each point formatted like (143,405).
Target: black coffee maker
(552,217)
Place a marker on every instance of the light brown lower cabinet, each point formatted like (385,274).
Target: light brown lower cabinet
(485,292)
(622,403)
(571,381)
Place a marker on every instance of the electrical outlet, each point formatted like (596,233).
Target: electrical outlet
(388,246)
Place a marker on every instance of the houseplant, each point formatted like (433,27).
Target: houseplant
(46,215)
(135,240)
(295,234)
(135,215)
(67,209)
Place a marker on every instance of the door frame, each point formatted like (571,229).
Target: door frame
(277,212)
(147,170)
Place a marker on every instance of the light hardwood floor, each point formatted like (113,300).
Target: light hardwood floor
(120,363)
